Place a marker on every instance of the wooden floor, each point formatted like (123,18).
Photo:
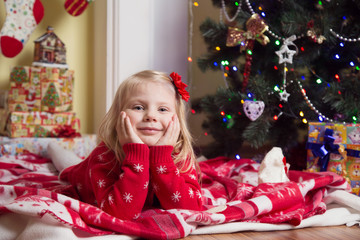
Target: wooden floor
(315,233)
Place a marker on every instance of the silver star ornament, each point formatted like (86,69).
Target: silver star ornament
(284,95)
(285,54)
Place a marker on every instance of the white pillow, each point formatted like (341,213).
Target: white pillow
(61,157)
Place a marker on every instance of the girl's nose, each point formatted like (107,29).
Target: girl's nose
(150,116)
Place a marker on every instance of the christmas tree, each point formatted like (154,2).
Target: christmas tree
(286,63)
(51,98)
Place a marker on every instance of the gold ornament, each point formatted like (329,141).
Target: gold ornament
(312,35)
(255,28)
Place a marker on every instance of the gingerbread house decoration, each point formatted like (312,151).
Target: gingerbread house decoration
(49,51)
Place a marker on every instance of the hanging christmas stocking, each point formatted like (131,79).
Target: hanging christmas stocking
(76,7)
(22,17)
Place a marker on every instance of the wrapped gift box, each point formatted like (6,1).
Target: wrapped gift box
(36,124)
(81,146)
(41,89)
(339,144)
(11,149)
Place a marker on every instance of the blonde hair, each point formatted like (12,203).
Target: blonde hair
(183,153)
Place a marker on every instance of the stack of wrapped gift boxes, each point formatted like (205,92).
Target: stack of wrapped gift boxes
(335,147)
(38,108)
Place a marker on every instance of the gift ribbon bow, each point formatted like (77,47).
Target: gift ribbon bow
(255,28)
(323,151)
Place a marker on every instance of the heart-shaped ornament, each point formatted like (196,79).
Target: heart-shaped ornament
(253,109)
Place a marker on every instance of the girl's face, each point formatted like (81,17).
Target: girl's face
(150,108)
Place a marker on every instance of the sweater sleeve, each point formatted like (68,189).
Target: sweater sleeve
(172,188)
(122,193)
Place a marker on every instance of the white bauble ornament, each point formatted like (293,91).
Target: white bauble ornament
(253,109)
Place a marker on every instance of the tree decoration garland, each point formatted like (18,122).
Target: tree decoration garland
(311,106)
(268,29)
(225,12)
(344,38)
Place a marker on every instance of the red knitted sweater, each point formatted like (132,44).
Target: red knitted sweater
(124,191)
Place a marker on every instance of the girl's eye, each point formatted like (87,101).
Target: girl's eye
(138,107)
(163,109)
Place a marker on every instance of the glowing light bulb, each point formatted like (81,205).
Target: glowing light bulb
(318,81)
(352,63)
(301,113)
(189,59)
(217,48)
(234,68)
(321,119)
(215,64)
(277,42)
(222,113)
(196,4)
(237,156)
(275,117)
(226,75)
(304,120)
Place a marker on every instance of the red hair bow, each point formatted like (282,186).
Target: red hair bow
(180,86)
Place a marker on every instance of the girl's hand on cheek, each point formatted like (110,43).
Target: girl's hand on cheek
(125,131)
(171,134)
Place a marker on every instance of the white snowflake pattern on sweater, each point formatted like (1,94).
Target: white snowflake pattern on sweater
(101,183)
(155,187)
(127,197)
(138,167)
(198,193)
(111,199)
(161,169)
(176,196)
(191,193)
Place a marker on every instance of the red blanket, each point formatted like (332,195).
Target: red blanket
(29,185)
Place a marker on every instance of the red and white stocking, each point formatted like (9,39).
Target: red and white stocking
(22,17)
(76,7)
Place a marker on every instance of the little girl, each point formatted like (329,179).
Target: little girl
(145,158)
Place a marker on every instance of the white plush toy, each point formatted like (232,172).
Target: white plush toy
(273,168)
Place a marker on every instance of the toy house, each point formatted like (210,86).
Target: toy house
(49,51)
